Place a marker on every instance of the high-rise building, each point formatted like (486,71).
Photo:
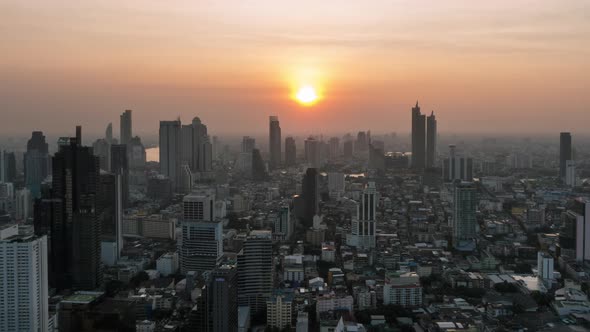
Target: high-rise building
(570,173)
(7,166)
(255,271)
(274,142)
(36,163)
(108,133)
(464,213)
(120,166)
(283,229)
(313,152)
(24,290)
(545,266)
(334,148)
(222,294)
(170,150)
(348,148)
(457,166)
(74,227)
(201,247)
(418,138)
(431,141)
(23,204)
(126,127)
(310,193)
(110,210)
(258,167)
(279,310)
(362,142)
(363,232)
(290,151)
(102,150)
(565,153)
(136,154)
(574,238)
(248,144)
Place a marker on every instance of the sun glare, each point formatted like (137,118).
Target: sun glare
(306,95)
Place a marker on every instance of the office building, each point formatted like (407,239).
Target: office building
(362,141)
(334,148)
(24,289)
(222,294)
(574,237)
(248,144)
(201,247)
(23,204)
(313,152)
(283,228)
(565,153)
(36,163)
(464,213)
(274,143)
(258,167)
(72,217)
(348,148)
(290,151)
(126,127)
(431,137)
(545,266)
(108,133)
(170,150)
(279,310)
(364,228)
(110,210)
(418,138)
(457,166)
(402,289)
(120,166)
(167,264)
(255,271)
(136,156)
(310,196)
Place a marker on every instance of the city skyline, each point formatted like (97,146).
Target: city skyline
(507,65)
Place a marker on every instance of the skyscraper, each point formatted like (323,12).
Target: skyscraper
(334,147)
(36,163)
(108,133)
(348,148)
(311,195)
(457,166)
(110,209)
(74,226)
(248,144)
(565,153)
(8,166)
(255,271)
(170,150)
(126,127)
(120,166)
(274,142)
(202,234)
(574,238)
(431,141)
(363,232)
(290,151)
(464,208)
(418,138)
(222,293)
(313,152)
(258,168)
(24,290)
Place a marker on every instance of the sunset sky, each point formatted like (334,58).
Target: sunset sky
(482,66)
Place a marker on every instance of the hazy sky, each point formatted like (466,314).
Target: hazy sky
(490,66)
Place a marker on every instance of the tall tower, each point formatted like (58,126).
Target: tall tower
(565,153)
(170,150)
(464,208)
(431,140)
(313,152)
(364,225)
(24,287)
(274,141)
(202,234)
(126,127)
(75,232)
(222,293)
(311,195)
(290,151)
(36,163)
(120,166)
(418,138)
(255,271)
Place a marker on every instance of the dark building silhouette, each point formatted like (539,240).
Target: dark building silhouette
(126,127)
(274,137)
(431,141)
(311,195)
(70,217)
(223,299)
(348,148)
(9,167)
(290,152)
(36,163)
(258,168)
(418,138)
(565,152)
(120,166)
(362,142)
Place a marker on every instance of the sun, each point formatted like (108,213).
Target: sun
(307,95)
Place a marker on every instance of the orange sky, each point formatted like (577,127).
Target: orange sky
(502,66)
